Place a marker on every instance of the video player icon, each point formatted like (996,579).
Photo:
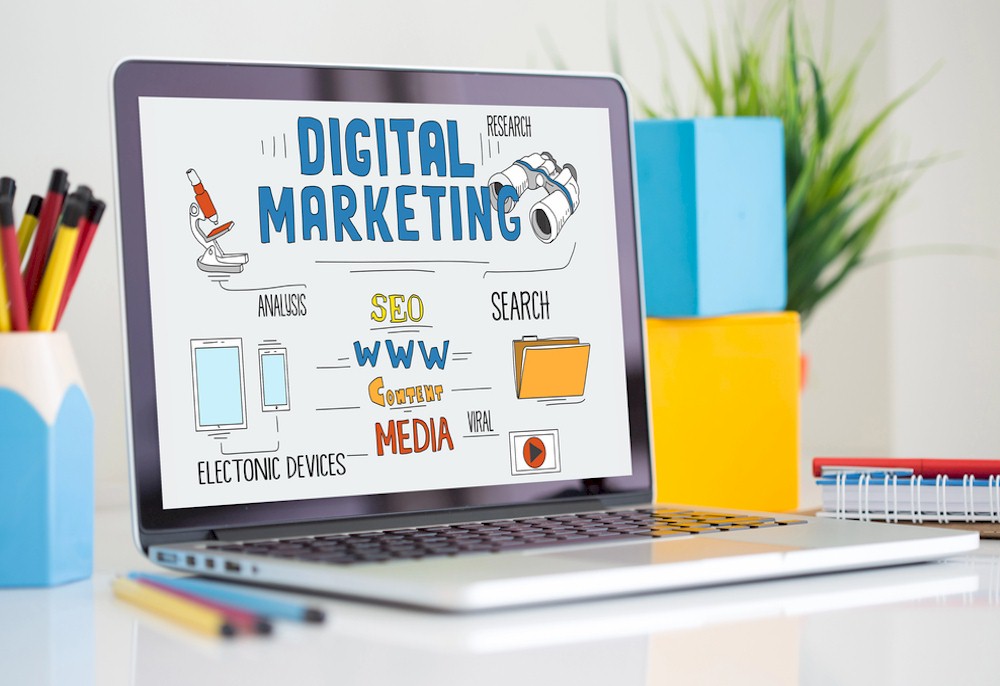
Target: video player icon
(532,452)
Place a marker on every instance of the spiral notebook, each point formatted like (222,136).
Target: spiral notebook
(918,491)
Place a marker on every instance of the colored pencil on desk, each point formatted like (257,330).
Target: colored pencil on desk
(49,215)
(191,615)
(242,620)
(7,187)
(253,601)
(12,268)
(28,224)
(43,314)
(88,227)
(4,310)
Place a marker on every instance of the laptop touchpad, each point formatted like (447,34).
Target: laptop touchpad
(660,552)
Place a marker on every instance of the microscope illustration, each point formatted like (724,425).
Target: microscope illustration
(205,228)
(540,170)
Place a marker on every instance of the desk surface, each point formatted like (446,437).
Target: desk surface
(931,623)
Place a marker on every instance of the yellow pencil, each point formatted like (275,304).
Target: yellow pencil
(191,615)
(28,224)
(46,307)
(4,310)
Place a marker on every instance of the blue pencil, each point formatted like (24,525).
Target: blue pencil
(252,601)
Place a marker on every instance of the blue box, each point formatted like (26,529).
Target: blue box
(47,451)
(712,215)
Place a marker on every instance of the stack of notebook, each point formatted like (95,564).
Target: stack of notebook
(909,490)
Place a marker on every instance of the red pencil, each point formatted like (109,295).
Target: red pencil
(12,266)
(51,207)
(88,227)
(242,621)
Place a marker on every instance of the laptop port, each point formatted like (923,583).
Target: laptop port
(209,563)
(232,566)
(168,558)
(191,562)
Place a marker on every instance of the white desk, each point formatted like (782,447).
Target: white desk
(923,624)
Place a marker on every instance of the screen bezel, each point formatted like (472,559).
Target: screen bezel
(133,79)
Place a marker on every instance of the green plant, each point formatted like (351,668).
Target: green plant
(836,201)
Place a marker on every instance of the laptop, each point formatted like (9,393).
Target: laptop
(384,338)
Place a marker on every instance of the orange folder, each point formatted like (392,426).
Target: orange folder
(550,367)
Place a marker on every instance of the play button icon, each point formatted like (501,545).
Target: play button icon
(534,452)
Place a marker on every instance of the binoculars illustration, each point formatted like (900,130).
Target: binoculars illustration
(540,170)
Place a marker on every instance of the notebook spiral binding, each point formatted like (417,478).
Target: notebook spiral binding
(941,510)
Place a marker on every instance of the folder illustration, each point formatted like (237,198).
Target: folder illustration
(550,367)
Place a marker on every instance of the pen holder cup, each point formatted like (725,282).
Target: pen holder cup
(46,463)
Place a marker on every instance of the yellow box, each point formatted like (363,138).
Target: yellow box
(725,399)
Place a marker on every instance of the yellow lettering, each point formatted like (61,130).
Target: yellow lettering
(375,391)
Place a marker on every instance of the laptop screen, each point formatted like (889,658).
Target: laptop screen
(351,285)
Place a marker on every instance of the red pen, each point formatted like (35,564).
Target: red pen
(12,266)
(88,227)
(51,207)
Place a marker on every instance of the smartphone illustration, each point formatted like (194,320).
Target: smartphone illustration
(217,376)
(273,379)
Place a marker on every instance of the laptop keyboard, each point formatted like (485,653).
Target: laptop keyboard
(501,535)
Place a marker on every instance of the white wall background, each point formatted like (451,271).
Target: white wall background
(904,359)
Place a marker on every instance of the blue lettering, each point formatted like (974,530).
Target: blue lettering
(456,213)
(399,356)
(336,165)
(375,213)
(459,169)
(310,130)
(479,212)
(383,163)
(404,214)
(434,193)
(282,215)
(342,213)
(366,355)
(432,152)
(313,212)
(508,234)
(402,128)
(359,162)
(433,358)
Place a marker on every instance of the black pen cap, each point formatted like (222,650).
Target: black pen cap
(59,181)
(34,205)
(73,210)
(7,186)
(6,211)
(84,193)
(95,210)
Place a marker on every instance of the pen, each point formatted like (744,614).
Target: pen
(242,620)
(7,187)
(164,604)
(43,314)
(261,603)
(28,225)
(88,227)
(12,267)
(51,207)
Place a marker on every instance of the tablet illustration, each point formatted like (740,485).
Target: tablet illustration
(273,379)
(217,370)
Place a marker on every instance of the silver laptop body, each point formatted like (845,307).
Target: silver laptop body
(364,299)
